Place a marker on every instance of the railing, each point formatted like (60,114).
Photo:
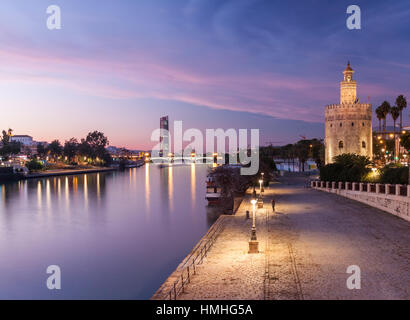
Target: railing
(387,189)
(188,266)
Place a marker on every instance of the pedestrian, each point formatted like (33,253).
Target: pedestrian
(247,214)
(273,205)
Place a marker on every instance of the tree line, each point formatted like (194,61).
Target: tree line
(395,112)
(91,149)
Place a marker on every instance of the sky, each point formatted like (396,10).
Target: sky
(119,65)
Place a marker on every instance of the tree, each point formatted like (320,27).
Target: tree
(380,116)
(55,149)
(70,148)
(405,141)
(318,152)
(84,149)
(385,107)
(395,113)
(9,147)
(41,150)
(346,167)
(97,142)
(401,103)
(34,165)
(6,136)
(303,152)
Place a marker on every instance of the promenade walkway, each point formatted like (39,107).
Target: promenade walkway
(306,247)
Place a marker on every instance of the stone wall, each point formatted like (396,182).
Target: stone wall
(394,199)
(351,125)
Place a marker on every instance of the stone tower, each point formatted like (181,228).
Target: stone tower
(348,125)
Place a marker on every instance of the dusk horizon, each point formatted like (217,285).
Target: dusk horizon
(206,63)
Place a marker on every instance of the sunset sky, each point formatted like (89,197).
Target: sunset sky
(119,65)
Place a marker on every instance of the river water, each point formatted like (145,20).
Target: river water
(114,235)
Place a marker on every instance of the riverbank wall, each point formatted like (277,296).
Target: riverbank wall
(176,282)
(66,173)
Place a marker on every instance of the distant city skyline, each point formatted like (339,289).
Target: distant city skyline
(118,66)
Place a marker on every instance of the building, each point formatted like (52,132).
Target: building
(25,140)
(164,137)
(348,125)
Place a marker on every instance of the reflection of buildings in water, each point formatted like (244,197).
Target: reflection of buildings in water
(85,192)
(98,188)
(147,187)
(75,185)
(171,188)
(59,190)
(48,194)
(39,195)
(67,193)
(193,185)
(164,187)
(94,189)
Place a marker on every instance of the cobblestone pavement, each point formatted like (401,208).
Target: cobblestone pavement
(306,247)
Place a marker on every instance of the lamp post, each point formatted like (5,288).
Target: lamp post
(253,243)
(254,193)
(260,186)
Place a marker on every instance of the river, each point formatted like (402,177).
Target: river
(115,235)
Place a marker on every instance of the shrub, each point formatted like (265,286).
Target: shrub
(330,172)
(34,165)
(394,175)
(346,167)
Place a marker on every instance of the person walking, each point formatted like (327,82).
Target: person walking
(273,205)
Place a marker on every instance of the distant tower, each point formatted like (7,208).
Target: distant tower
(348,125)
(164,137)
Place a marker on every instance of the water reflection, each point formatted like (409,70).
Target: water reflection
(129,228)
(147,188)
(193,184)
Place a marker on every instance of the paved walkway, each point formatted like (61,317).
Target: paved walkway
(306,247)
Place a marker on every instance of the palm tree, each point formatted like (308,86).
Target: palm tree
(401,103)
(395,113)
(380,116)
(386,109)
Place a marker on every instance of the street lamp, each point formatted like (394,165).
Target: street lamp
(253,243)
(260,186)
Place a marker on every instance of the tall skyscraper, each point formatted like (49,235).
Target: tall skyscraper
(164,137)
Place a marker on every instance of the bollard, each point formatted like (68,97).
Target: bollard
(398,189)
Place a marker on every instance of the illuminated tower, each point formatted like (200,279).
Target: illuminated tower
(348,125)
(164,137)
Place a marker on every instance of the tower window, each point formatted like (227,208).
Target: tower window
(331,125)
(363,144)
(363,124)
(340,124)
(340,144)
(352,124)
